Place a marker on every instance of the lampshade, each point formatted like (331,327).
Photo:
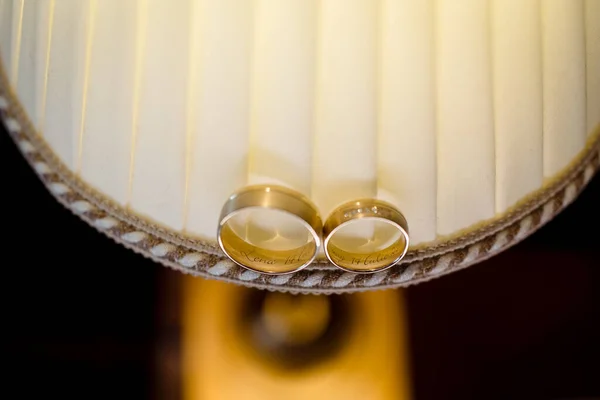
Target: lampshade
(477,118)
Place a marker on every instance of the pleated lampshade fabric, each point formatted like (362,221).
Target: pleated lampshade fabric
(471,116)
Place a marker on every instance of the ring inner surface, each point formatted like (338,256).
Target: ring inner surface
(268,240)
(366,244)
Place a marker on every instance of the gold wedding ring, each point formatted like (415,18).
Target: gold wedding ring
(270,229)
(365,235)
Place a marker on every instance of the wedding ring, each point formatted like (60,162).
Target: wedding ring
(365,235)
(270,229)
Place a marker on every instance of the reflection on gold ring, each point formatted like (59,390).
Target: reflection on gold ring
(365,235)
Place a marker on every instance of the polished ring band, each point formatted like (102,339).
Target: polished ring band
(270,229)
(365,235)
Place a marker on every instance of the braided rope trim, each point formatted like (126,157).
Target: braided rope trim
(198,259)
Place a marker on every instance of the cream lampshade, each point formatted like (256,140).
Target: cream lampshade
(478,119)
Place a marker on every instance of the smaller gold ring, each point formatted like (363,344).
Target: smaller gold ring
(365,235)
(270,229)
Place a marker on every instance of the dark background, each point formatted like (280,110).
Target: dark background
(82,317)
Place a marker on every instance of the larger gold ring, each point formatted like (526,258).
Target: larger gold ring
(270,229)
(365,235)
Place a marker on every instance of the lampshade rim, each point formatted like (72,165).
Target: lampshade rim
(202,257)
